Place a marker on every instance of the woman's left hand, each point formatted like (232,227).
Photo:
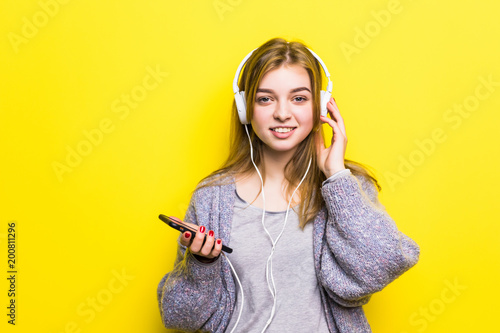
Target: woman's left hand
(331,159)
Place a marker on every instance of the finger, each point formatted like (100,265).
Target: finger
(327,120)
(209,244)
(185,239)
(335,114)
(197,243)
(331,123)
(333,104)
(338,136)
(218,248)
(337,133)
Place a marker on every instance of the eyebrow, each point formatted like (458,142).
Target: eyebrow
(270,91)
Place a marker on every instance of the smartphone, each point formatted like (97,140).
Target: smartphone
(179,225)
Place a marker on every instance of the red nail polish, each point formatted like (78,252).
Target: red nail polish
(202,229)
(211,233)
(219,241)
(187,235)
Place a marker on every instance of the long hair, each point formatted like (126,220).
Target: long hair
(270,56)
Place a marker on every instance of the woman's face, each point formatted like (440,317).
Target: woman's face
(283,111)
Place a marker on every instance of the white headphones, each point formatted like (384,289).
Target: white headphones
(239,96)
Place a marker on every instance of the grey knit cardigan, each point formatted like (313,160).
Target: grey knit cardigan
(358,250)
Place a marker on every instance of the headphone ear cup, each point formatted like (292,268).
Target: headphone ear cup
(241,105)
(325,97)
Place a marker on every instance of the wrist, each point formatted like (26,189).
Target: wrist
(336,175)
(329,173)
(205,260)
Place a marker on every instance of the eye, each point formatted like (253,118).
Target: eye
(263,99)
(300,99)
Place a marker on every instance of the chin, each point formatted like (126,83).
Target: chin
(282,148)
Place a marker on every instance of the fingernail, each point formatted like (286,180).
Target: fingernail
(210,233)
(219,241)
(202,229)
(187,234)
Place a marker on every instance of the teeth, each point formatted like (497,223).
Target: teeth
(282,130)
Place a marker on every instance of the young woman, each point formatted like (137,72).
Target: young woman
(311,241)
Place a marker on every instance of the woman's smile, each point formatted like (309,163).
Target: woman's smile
(282,132)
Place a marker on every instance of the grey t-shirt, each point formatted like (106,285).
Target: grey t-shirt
(299,308)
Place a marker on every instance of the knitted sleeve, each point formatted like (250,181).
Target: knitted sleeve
(363,250)
(193,295)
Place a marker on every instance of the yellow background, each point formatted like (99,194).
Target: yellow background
(80,230)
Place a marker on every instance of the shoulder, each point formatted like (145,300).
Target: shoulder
(212,205)
(214,187)
(216,179)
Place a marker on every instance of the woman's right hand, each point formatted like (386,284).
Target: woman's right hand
(207,252)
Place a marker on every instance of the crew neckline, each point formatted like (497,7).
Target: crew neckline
(247,204)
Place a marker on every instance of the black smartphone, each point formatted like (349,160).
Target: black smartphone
(179,225)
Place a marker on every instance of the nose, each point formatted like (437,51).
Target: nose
(282,111)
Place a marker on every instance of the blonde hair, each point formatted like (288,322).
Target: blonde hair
(270,56)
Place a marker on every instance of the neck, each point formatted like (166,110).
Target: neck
(274,164)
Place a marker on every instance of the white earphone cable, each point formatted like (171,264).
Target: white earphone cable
(263,215)
(261,182)
(269,264)
(242,294)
